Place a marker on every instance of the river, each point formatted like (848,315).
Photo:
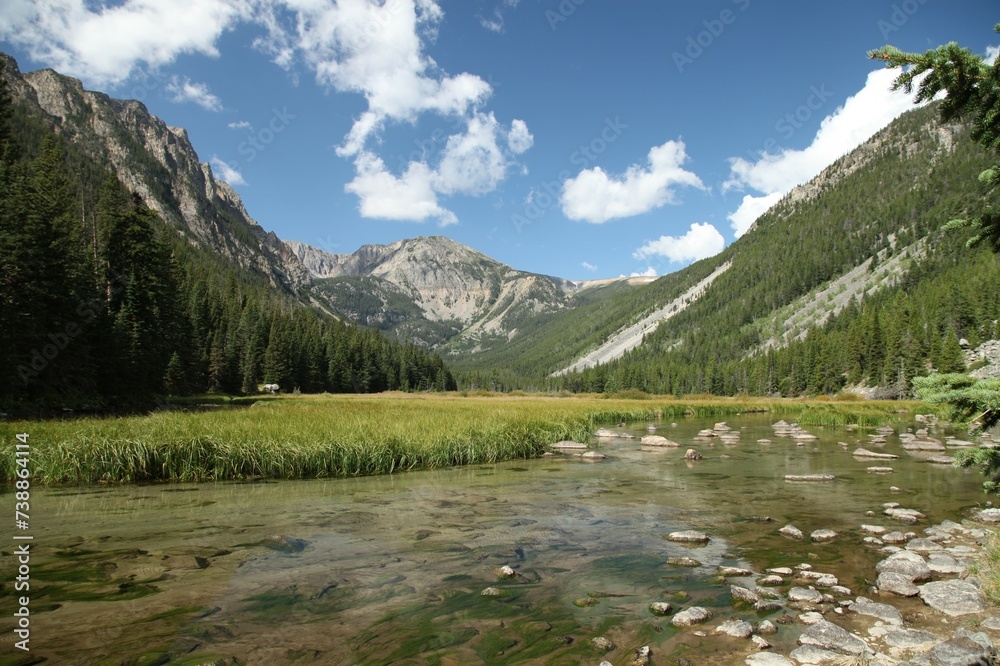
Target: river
(390,569)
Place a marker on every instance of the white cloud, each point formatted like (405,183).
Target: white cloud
(410,197)
(702,240)
(224,171)
(185,90)
(104,45)
(519,138)
(774,175)
(590,267)
(649,272)
(752,207)
(472,163)
(495,23)
(992,52)
(376,50)
(240,124)
(595,196)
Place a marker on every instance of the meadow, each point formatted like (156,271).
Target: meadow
(314,436)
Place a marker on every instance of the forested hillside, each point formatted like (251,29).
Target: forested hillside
(887,201)
(104,304)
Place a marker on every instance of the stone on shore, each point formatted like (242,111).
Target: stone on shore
(768,659)
(885,612)
(964,647)
(988,516)
(953,597)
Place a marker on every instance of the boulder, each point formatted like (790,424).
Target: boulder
(771,581)
(805,595)
(691,616)
(964,648)
(657,440)
(742,594)
(909,639)
(602,644)
(736,628)
(897,584)
(904,515)
(953,597)
(688,536)
(885,612)
(809,477)
(568,445)
(907,563)
(865,453)
(691,454)
(660,608)
(791,531)
(988,516)
(641,656)
(823,535)
(828,636)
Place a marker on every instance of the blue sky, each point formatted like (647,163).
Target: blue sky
(577,138)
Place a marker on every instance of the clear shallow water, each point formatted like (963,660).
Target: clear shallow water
(389,569)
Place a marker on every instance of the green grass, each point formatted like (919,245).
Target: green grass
(349,435)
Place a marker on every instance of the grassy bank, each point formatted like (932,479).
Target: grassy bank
(348,435)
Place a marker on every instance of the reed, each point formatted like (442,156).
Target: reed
(347,435)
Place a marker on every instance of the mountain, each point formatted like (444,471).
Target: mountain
(129,274)
(437,291)
(848,282)
(158,163)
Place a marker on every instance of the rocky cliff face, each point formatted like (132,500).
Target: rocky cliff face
(158,163)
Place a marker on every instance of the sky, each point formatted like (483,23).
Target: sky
(576,138)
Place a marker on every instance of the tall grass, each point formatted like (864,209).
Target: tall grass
(336,436)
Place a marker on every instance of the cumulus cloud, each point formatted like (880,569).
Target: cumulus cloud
(775,174)
(519,138)
(410,197)
(104,45)
(590,267)
(649,272)
(595,196)
(185,90)
(224,171)
(702,240)
(375,49)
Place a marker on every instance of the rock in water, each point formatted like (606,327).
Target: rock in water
(688,536)
(735,628)
(691,616)
(602,644)
(657,440)
(828,636)
(692,455)
(660,608)
(823,535)
(791,531)
(810,477)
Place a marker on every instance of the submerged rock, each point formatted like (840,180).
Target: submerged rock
(657,440)
(683,562)
(688,536)
(602,644)
(809,477)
